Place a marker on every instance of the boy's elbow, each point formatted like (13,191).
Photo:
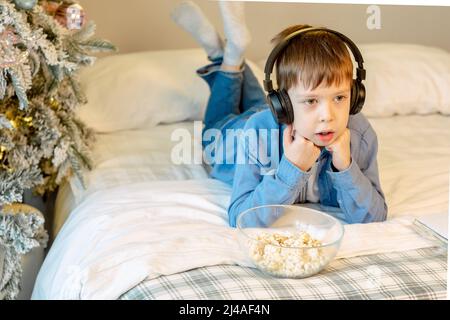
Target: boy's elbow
(379,215)
(383,215)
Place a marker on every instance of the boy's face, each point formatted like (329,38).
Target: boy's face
(324,109)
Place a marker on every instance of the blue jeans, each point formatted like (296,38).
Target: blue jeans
(235,96)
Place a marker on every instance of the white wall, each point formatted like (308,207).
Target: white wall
(137,25)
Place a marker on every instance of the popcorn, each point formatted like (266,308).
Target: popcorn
(287,254)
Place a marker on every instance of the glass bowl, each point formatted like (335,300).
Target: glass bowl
(289,241)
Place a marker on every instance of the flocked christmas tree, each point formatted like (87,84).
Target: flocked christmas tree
(42,46)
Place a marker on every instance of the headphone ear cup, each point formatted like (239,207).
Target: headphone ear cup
(276,106)
(358,96)
(287,105)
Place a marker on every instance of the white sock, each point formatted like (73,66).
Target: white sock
(236,32)
(191,18)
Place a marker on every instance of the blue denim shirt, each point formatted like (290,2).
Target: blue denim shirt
(268,177)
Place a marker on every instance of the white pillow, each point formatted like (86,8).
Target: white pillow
(406,79)
(138,90)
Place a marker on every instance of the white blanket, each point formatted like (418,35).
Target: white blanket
(119,237)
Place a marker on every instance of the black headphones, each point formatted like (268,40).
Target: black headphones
(279,101)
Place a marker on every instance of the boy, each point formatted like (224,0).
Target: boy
(325,156)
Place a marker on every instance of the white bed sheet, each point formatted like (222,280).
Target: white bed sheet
(414,163)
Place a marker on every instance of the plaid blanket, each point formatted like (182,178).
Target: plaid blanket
(415,274)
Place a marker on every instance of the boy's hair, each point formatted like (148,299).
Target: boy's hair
(312,58)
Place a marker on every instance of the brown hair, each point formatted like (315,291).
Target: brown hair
(312,58)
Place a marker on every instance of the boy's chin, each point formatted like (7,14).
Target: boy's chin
(321,144)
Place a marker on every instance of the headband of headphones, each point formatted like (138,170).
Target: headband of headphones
(360,71)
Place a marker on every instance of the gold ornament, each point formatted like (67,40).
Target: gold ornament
(13,123)
(19,121)
(9,113)
(54,104)
(28,121)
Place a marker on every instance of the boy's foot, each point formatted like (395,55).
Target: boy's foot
(191,18)
(236,32)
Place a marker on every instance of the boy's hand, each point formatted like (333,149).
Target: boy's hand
(340,150)
(300,151)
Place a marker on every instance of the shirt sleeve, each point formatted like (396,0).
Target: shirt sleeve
(254,185)
(359,192)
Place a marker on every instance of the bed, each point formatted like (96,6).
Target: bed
(148,228)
